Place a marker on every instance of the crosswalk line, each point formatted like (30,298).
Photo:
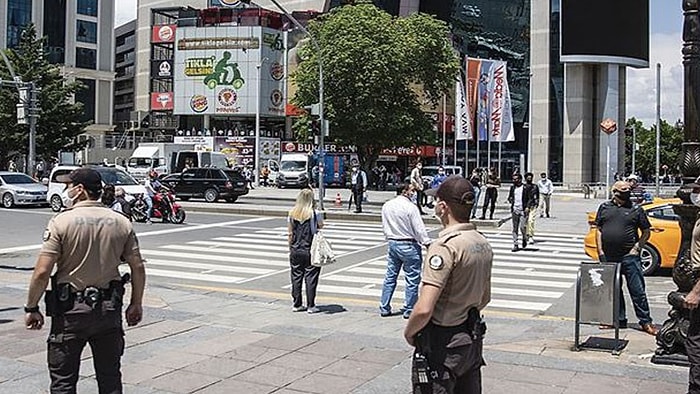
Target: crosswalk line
(210,267)
(260,252)
(283,242)
(192,276)
(552,260)
(267,245)
(226,259)
(283,238)
(520,305)
(530,282)
(338,234)
(535,274)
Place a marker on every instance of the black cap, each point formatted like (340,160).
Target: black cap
(454,189)
(89,178)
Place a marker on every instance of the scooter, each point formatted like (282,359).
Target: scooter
(164,208)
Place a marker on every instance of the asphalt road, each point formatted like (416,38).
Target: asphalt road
(248,255)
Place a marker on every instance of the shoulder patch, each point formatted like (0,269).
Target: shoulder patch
(436,262)
(449,236)
(47,234)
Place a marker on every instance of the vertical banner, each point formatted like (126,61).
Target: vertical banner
(473,72)
(463,121)
(485,90)
(500,110)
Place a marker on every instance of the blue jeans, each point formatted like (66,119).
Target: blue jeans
(477,193)
(149,206)
(407,255)
(632,271)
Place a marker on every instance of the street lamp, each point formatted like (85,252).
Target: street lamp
(257,123)
(321,186)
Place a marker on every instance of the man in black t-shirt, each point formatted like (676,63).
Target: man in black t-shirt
(618,222)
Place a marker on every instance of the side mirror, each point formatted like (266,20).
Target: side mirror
(45,181)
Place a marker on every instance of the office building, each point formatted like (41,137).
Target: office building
(125,73)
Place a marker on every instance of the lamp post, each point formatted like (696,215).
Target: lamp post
(257,123)
(321,186)
(658,126)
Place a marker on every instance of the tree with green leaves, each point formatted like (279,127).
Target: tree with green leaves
(645,158)
(59,122)
(378,71)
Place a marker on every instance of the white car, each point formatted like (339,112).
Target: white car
(110,176)
(19,189)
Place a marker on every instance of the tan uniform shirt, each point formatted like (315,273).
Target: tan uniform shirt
(459,263)
(88,242)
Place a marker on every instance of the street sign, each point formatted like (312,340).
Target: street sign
(608,126)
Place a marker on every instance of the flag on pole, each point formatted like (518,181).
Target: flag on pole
(473,72)
(500,111)
(485,92)
(463,121)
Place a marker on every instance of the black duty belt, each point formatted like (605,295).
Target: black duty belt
(402,240)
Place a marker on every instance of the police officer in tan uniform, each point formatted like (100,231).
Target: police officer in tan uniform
(446,326)
(86,243)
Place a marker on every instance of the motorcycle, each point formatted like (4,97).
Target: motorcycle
(164,207)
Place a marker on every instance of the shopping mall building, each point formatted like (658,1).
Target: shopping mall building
(186,85)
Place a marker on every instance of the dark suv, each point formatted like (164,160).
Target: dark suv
(208,183)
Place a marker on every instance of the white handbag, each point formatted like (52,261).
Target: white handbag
(321,250)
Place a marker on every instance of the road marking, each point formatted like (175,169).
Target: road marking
(259,253)
(20,248)
(530,282)
(227,259)
(538,274)
(209,267)
(269,244)
(192,275)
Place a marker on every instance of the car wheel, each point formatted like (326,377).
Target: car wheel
(7,200)
(232,199)
(56,203)
(651,261)
(211,195)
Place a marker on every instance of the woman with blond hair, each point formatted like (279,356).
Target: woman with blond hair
(303,222)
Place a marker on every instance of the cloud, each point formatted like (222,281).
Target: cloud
(125,11)
(665,48)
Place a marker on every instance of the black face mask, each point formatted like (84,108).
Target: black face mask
(624,196)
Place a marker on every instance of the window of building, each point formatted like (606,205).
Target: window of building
(87,7)
(86,58)
(55,30)
(86,31)
(86,96)
(19,15)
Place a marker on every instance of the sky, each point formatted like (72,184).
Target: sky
(665,25)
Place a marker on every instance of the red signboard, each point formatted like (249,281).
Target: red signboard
(298,147)
(413,151)
(163,33)
(162,101)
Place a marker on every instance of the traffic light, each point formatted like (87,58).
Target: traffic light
(315,127)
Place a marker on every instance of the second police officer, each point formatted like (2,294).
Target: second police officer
(446,326)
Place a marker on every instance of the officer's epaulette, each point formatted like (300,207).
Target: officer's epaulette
(449,236)
(64,210)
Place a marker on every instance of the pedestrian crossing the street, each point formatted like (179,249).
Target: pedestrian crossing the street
(245,257)
(527,281)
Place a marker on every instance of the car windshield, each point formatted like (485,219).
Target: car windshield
(17,179)
(140,162)
(114,176)
(293,166)
(429,171)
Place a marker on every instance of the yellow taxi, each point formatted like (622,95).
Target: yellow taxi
(665,240)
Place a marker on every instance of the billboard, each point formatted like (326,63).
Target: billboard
(163,34)
(216,71)
(604,31)
(162,68)
(162,101)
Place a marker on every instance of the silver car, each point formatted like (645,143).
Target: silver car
(19,189)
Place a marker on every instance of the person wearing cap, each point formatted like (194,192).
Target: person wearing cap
(637,190)
(618,223)
(445,326)
(358,183)
(86,244)
(405,233)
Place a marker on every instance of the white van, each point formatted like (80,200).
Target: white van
(428,172)
(110,175)
(294,170)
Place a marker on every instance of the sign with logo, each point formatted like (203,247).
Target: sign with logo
(412,151)
(162,69)
(225,3)
(216,71)
(608,126)
(163,34)
(299,147)
(196,140)
(162,101)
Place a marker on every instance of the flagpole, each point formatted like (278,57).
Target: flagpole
(499,156)
(488,148)
(444,128)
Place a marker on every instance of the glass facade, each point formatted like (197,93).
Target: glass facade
(19,15)
(86,58)
(55,30)
(87,7)
(86,31)
(556,98)
(86,96)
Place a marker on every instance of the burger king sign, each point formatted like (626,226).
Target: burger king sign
(163,33)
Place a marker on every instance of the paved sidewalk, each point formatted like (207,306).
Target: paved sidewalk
(198,342)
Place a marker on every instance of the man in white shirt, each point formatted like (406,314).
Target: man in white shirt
(518,207)
(358,182)
(417,183)
(546,188)
(405,231)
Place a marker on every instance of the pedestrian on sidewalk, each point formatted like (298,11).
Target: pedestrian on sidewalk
(446,327)
(405,233)
(303,222)
(546,188)
(531,209)
(358,183)
(475,180)
(418,186)
(637,190)
(618,222)
(86,243)
(692,344)
(493,182)
(264,175)
(436,182)
(518,199)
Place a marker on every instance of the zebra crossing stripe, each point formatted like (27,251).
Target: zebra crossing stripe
(529,282)
(260,253)
(192,276)
(267,246)
(331,234)
(521,305)
(210,267)
(337,244)
(536,274)
(227,259)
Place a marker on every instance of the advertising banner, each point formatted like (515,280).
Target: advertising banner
(162,101)
(484,89)
(162,68)
(240,151)
(463,122)
(220,71)
(501,119)
(300,147)
(163,34)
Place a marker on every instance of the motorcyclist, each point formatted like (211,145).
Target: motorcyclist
(152,185)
